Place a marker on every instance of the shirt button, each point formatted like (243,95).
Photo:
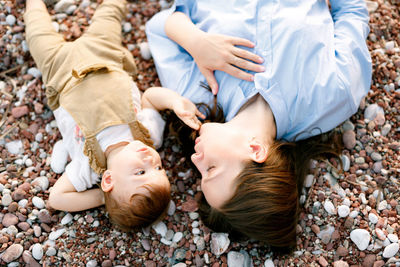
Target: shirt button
(264,53)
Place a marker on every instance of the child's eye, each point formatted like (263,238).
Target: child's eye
(159,168)
(210,168)
(141,172)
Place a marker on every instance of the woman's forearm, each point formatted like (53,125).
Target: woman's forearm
(181,30)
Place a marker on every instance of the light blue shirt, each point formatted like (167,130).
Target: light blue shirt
(317,63)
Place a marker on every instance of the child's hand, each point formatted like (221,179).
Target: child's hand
(223,54)
(188,112)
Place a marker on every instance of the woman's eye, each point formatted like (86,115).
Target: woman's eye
(210,168)
(141,172)
(159,168)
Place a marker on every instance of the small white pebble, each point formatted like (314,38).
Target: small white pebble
(91,263)
(390,250)
(343,211)
(37,251)
(6,200)
(67,219)
(373,218)
(177,237)
(171,208)
(28,162)
(56,234)
(196,231)
(38,202)
(329,207)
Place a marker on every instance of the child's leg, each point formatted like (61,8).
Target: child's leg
(43,41)
(106,21)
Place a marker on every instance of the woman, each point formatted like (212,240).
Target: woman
(315,68)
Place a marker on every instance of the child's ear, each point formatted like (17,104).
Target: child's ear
(258,151)
(107,182)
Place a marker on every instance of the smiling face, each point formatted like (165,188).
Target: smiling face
(135,165)
(221,152)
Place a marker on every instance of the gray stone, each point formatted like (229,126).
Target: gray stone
(6,200)
(10,20)
(375,156)
(219,243)
(160,228)
(37,251)
(51,251)
(38,202)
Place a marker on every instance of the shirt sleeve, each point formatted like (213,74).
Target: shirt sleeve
(80,174)
(173,63)
(353,61)
(153,122)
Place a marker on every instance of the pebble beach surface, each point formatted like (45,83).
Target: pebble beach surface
(349,218)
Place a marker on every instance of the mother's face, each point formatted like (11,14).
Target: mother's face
(221,151)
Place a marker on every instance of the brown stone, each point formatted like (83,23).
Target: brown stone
(18,194)
(379,263)
(369,260)
(349,222)
(24,226)
(13,207)
(12,253)
(342,251)
(18,112)
(322,261)
(9,219)
(349,139)
(190,205)
(340,264)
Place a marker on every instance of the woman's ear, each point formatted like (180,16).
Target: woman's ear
(107,182)
(258,152)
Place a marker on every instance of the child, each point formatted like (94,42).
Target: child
(95,102)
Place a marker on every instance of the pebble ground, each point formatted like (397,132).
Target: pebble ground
(349,218)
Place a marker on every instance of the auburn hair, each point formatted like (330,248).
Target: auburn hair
(265,205)
(141,211)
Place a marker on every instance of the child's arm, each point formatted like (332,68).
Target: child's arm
(63,196)
(213,51)
(161,98)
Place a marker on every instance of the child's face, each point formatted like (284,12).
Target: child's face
(134,166)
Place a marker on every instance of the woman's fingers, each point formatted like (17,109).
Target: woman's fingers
(242,42)
(247,55)
(238,73)
(247,65)
(212,82)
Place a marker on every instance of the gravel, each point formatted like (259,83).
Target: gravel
(349,218)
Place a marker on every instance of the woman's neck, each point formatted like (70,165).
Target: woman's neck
(257,118)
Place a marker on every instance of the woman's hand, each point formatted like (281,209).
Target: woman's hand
(187,112)
(220,52)
(213,51)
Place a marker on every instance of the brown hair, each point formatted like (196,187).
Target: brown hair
(141,210)
(265,205)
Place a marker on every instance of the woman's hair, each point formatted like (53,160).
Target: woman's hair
(141,210)
(265,205)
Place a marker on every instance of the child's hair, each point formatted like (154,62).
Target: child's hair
(141,210)
(265,205)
